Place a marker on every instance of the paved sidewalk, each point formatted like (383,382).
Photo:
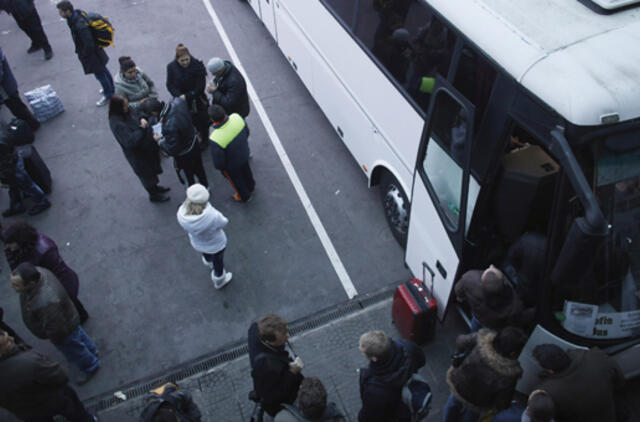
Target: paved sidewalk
(329,352)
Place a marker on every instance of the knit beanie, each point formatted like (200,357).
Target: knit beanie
(181,50)
(215,65)
(126,63)
(197,194)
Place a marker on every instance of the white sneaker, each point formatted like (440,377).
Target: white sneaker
(102,101)
(207,263)
(223,280)
(101,91)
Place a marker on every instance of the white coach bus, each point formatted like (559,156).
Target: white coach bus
(499,131)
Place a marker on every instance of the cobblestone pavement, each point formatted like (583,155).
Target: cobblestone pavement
(329,352)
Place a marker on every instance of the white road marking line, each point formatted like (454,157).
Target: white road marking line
(284,158)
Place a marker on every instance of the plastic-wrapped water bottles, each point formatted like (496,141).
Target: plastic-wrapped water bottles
(44,102)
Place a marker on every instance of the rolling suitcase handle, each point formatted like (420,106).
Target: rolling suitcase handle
(426,266)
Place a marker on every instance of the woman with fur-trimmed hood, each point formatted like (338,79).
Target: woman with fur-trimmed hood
(487,377)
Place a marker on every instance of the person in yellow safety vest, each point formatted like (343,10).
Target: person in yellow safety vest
(230,151)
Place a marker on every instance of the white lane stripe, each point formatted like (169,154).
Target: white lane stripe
(284,158)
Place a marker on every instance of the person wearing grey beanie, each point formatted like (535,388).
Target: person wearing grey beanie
(228,88)
(204,224)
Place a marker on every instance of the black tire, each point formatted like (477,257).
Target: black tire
(395,205)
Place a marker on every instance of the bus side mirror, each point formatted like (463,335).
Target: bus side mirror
(578,252)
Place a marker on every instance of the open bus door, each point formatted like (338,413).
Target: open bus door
(438,217)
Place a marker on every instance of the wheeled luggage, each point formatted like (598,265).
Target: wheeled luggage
(414,311)
(35,166)
(19,132)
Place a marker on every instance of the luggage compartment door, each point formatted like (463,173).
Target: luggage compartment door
(441,193)
(267,14)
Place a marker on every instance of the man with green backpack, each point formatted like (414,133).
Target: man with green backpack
(91,32)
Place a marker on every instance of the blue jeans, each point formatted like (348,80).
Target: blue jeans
(454,411)
(80,350)
(24,185)
(106,81)
(217,260)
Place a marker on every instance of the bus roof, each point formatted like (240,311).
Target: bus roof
(584,65)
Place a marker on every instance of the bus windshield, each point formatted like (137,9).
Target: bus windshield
(606,303)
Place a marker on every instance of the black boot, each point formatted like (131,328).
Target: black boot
(48,53)
(159,197)
(33,48)
(13,210)
(40,207)
(161,189)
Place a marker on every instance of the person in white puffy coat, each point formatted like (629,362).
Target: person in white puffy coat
(204,224)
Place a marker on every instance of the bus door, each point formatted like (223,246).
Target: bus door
(438,217)
(268,15)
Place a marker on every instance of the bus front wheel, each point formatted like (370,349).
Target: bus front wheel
(396,207)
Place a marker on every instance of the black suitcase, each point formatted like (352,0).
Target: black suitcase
(36,168)
(19,132)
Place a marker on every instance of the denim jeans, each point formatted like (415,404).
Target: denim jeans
(106,81)
(217,259)
(24,185)
(454,411)
(80,350)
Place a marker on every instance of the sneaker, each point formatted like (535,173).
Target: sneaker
(84,377)
(207,263)
(159,197)
(101,91)
(33,49)
(223,280)
(38,208)
(13,211)
(48,54)
(102,101)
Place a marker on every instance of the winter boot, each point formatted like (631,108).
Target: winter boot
(223,280)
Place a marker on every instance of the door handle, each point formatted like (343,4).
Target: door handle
(441,269)
(339,131)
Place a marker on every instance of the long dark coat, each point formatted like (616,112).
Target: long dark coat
(7,80)
(190,82)
(231,92)
(20,9)
(92,57)
(138,147)
(30,383)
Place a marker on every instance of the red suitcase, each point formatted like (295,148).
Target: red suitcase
(414,311)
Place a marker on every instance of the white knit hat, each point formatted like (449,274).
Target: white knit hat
(215,65)
(197,194)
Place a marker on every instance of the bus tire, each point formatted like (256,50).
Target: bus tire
(396,207)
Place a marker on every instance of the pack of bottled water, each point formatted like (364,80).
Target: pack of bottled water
(44,102)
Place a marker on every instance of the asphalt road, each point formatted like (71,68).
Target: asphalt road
(151,301)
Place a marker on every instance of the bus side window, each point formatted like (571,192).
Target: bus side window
(474,79)
(344,9)
(442,162)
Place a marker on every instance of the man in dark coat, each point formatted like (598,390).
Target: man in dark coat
(229,88)
(276,372)
(10,96)
(23,243)
(391,363)
(49,314)
(92,57)
(230,151)
(487,377)
(167,402)
(136,140)
(34,388)
(580,382)
(493,301)
(178,137)
(14,176)
(27,18)
(311,405)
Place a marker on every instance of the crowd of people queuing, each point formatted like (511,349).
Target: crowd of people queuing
(485,368)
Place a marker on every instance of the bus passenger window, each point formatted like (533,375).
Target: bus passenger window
(441,164)
(474,79)
(344,9)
